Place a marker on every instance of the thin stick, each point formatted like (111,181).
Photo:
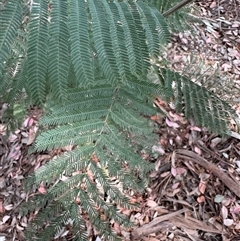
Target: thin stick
(191,156)
(150,227)
(175,8)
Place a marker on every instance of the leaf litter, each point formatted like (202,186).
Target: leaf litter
(182,180)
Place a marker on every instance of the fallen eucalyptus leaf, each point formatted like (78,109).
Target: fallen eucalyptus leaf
(5,218)
(9,207)
(227,222)
(218,198)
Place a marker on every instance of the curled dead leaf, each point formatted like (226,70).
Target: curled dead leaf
(201,199)
(202,187)
(224,212)
(151,203)
(5,219)
(42,189)
(178,171)
(158,149)
(8,207)
(198,150)
(227,222)
(172,124)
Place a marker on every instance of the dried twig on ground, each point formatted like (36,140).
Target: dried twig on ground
(191,156)
(155,226)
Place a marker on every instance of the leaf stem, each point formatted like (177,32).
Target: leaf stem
(175,8)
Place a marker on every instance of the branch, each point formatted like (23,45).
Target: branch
(154,226)
(233,185)
(175,8)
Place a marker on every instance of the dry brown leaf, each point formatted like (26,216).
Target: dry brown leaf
(192,223)
(151,203)
(198,150)
(178,171)
(117,228)
(177,117)
(224,212)
(202,187)
(42,189)
(164,174)
(32,135)
(227,222)
(235,209)
(8,207)
(213,5)
(158,149)
(5,219)
(201,199)
(172,124)
(195,128)
(156,224)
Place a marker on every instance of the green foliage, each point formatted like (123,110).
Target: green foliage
(178,20)
(12,47)
(98,123)
(87,63)
(58,62)
(197,102)
(10,20)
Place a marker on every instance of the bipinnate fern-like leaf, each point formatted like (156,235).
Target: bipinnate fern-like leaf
(111,39)
(10,39)
(58,56)
(103,153)
(81,43)
(37,52)
(88,64)
(197,103)
(178,20)
(10,20)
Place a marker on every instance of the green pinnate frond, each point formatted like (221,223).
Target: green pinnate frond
(108,209)
(78,132)
(56,213)
(78,226)
(75,160)
(130,114)
(101,137)
(53,142)
(10,21)
(129,124)
(133,33)
(95,217)
(143,87)
(58,56)
(59,215)
(101,90)
(74,115)
(12,78)
(199,104)
(86,103)
(102,40)
(138,102)
(81,44)
(156,39)
(37,61)
(178,20)
(12,50)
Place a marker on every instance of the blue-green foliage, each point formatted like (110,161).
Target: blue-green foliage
(178,20)
(87,64)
